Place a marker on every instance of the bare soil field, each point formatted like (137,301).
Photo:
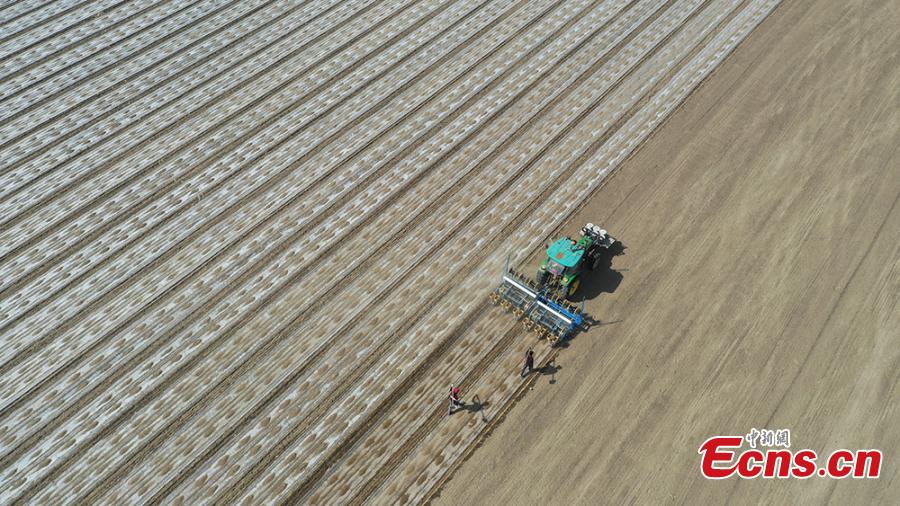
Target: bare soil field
(759,287)
(245,246)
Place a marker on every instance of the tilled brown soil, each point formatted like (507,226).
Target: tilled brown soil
(759,287)
(246,245)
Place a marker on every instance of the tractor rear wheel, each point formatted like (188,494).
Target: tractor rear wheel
(595,263)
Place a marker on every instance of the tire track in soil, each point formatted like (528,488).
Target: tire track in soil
(346,385)
(233,285)
(146,114)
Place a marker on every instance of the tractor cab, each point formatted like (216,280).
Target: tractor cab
(562,265)
(564,254)
(567,258)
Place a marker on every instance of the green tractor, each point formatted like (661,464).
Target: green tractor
(540,303)
(567,258)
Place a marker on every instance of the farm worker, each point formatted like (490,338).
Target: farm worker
(455,401)
(529,363)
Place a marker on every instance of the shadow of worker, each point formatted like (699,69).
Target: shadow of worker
(477,406)
(550,369)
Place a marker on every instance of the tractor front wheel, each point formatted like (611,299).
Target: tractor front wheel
(572,288)
(541,278)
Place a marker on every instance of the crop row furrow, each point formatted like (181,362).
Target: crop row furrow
(96,33)
(36,180)
(269,204)
(244,252)
(161,193)
(129,179)
(179,80)
(119,62)
(48,20)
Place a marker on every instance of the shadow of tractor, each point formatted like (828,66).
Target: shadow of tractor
(603,279)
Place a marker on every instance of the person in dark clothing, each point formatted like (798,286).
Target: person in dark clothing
(455,401)
(529,363)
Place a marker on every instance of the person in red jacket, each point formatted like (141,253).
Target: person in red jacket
(455,401)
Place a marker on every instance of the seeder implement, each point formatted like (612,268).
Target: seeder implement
(549,316)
